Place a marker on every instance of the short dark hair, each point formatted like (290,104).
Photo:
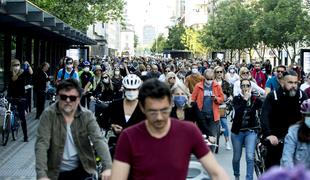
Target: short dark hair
(153,88)
(290,72)
(69,84)
(281,66)
(244,79)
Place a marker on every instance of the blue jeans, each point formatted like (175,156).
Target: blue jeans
(249,139)
(224,125)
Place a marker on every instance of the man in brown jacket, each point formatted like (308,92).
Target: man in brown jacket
(194,78)
(63,147)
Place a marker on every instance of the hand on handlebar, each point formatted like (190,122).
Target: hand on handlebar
(117,128)
(273,140)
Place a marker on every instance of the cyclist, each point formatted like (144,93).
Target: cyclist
(16,90)
(63,146)
(126,112)
(281,109)
(68,71)
(160,147)
(244,128)
(297,141)
(85,75)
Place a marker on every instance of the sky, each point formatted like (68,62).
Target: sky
(149,12)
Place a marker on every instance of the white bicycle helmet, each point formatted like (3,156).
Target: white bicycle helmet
(132,81)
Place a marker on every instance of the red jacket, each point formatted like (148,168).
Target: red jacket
(198,95)
(260,78)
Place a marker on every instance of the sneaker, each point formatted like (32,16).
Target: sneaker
(227,145)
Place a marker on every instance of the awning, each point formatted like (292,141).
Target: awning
(27,18)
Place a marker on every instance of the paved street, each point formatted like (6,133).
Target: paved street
(17,161)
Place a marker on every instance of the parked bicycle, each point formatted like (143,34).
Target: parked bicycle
(11,121)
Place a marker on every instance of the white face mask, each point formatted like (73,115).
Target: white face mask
(232,71)
(307,121)
(16,68)
(116,72)
(195,71)
(86,69)
(131,95)
(209,82)
(106,81)
(69,65)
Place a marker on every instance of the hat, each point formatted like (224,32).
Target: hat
(97,67)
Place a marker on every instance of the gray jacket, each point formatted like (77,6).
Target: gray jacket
(295,152)
(51,137)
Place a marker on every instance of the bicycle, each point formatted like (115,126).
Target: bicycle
(11,123)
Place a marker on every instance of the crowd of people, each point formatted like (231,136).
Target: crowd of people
(163,107)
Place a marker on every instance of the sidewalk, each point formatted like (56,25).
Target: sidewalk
(17,160)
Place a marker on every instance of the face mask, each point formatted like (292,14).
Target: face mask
(232,71)
(180,101)
(106,81)
(131,95)
(307,121)
(194,71)
(16,68)
(209,82)
(69,66)
(116,72)
(86,69)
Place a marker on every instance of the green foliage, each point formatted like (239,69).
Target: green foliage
(191,41)
(231,27)
(81,13)
(174,41)
(159,44)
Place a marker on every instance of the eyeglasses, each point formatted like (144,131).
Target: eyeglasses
(245,85)
(154,113)
(16,64)
(105,77)
(65,97)
(208,79)
(171,78)
(247,72)
(280,72)
(219,72)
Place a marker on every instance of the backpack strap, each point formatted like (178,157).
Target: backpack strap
(72,72)
(275,95)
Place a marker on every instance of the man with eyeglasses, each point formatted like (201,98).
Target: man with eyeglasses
(67,136)
(281,109)
(160,147)
(275,82)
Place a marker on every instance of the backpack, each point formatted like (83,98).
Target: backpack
(64,72)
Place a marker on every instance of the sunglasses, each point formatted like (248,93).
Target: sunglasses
(171,78)
(246,72)
(245,85)
(65,97)
(16,64)
(219,72)
(105,77)
(280,72)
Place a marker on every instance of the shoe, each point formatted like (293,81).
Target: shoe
(26,140)
(227,146)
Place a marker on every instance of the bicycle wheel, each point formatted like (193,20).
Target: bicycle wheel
(6,130)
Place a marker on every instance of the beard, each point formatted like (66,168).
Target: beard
(292,92)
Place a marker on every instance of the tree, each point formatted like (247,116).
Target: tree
(284,24)
(231,27)
(174,37)
(81,13)
(159,44)
(191,41)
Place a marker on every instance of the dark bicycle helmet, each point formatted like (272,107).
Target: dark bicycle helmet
(86,63)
